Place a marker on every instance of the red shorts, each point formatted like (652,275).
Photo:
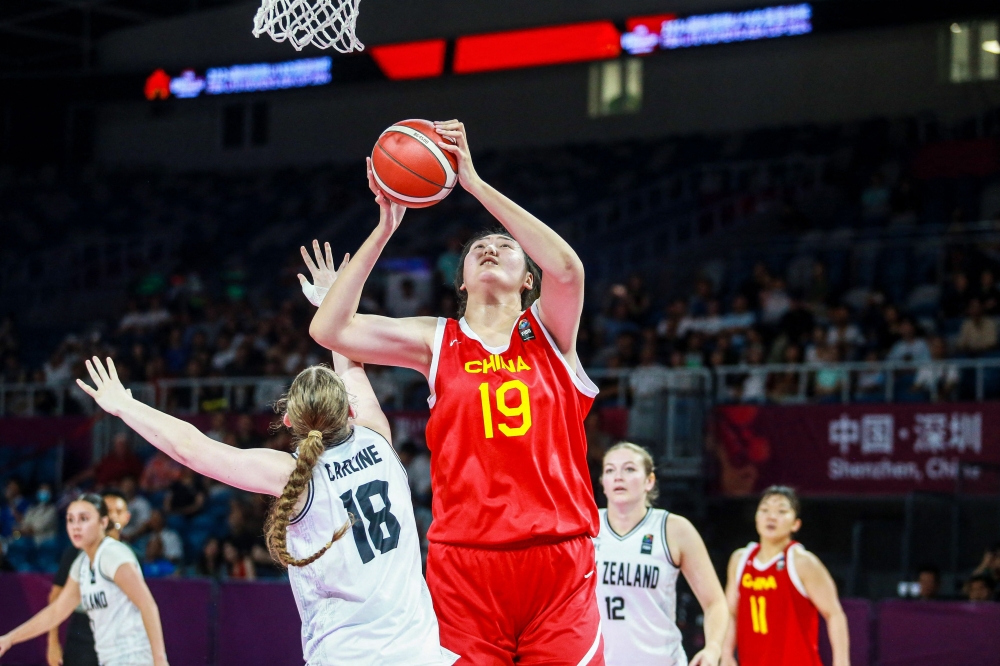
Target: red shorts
(534,605)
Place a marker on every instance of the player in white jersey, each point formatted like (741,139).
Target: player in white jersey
(640,553)
(106,580)
(343,521)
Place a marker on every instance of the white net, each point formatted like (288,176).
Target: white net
(325,23)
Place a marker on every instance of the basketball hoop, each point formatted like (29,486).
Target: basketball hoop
(324,23)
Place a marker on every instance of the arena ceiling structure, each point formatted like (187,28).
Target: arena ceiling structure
(46,37)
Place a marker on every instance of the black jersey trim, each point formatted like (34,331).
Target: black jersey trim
(635,529)
(666,542)
(391,448)
(309,500)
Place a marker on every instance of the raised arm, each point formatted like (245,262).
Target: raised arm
(254,470)
(561,302)
(367,410)
(131,583)
(696,565)
(368,338)
(48,618)
(822,592)
(732,601)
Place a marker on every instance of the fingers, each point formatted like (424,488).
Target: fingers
(86,388)
(319,257)
(313,268)
(112,371)
(347,260)
(302,279)
(450,147)
(101,371)
(329,256)
(93,374)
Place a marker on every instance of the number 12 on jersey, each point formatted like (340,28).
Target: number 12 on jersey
(616,608)
(523,410)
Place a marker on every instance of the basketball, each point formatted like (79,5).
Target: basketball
(410,168)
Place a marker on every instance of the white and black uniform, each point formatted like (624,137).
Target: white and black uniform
(119,634)
(637,594)
(365,600)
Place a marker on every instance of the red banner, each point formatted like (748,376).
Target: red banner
(883,449)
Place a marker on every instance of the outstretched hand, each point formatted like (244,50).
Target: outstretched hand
(455,141)
(391,214)
(110,394)
(322,271)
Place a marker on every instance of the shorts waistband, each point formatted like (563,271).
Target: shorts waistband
(542,540)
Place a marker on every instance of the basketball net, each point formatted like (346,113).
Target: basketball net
(325,23)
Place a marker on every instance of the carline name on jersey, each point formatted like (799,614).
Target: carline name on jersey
(94,601)
(622,573)
(363,459)
(759,583)
(496,363)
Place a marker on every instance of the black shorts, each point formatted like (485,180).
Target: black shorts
(79,648)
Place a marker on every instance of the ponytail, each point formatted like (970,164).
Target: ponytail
(319,398)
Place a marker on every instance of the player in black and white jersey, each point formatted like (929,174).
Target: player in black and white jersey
(107,581)
(640,552)
(342,522)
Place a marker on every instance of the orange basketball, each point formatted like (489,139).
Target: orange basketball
(410,167)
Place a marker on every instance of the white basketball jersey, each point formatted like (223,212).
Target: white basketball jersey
(119,634)
(365,600)
(637,594)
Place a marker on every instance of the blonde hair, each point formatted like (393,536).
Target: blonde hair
(318,406)
(647,464)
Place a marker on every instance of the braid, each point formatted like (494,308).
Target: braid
(310,450)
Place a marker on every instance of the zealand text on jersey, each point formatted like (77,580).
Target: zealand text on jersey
(629,575)
(363,459)
(94,601)
(496,363)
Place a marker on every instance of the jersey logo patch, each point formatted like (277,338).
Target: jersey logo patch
(524,328)
(781,563)
(647,545)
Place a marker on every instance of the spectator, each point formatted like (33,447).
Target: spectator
(12,512)
(871,383)
(41,519)
(155,564)
(978,333)
(210,561)
(58,369)
(956,297)
(784,387)
(177,353)
(138,506)
(774,302)
(113,467)
(843,332)
(981,587)
(829,379)
(929,580)
(647,384)
(238,565)
(159,473)
(740,318)
(447,261)
(406,302)
(989,294)
(937,378)
(818,293)
(247,436)
(186,496)
(754,387)
(386,390)
(635,296)
(173,547)
(617,323)
(598,442)
(909,347)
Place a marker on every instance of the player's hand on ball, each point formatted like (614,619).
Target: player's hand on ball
(322,271)
(455,141)
(109,393)
(391,213)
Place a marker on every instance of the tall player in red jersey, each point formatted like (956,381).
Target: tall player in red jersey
(777,590)
(511,561)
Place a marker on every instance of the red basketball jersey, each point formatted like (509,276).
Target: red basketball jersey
(508,450)
(776,623)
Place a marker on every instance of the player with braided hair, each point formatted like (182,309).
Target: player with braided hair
(362,600)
